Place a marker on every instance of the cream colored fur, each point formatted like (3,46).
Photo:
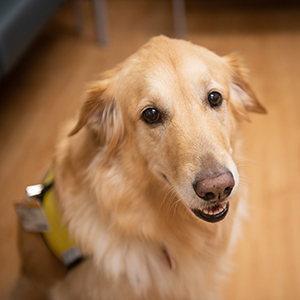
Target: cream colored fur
(125,188)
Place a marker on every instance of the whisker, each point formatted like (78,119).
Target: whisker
(247,163)
(244,184)
(185,213)
(245,179)
(169,192)
(175,204)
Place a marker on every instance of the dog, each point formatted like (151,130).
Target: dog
(146,180)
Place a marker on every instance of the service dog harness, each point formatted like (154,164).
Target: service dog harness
(40,213)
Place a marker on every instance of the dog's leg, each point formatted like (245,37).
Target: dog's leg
(39,268)
(27,288)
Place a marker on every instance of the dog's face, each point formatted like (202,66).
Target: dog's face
(178,104)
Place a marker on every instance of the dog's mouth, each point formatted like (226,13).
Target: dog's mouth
(213,213)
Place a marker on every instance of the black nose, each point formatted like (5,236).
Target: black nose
(214,186)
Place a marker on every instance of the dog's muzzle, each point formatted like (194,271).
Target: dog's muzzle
(214,188)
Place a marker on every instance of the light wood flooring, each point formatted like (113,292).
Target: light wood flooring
(44,90)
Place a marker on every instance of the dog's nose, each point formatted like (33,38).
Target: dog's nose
(214,186)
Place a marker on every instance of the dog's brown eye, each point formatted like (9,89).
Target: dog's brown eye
(215,99)
(151,115)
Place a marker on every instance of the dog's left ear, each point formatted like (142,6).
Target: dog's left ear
(243,99)
(100,114)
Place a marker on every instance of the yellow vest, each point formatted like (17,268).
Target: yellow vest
(58,239)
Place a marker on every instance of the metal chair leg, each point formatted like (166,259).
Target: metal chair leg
(101,21)
(78,16)
(179,18)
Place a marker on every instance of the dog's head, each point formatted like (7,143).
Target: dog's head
(178,106)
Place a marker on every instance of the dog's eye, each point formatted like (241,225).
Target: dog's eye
(215,99)
(151,116)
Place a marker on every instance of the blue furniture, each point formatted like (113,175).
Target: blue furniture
(20,22)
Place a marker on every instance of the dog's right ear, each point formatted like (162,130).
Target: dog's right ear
(100,113)
(243,99)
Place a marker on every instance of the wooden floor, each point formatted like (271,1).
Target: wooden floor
(44,91)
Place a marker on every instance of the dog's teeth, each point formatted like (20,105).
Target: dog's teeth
(207,211)
(212,211)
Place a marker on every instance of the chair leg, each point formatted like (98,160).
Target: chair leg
(179,18)
(101,21)
(78,16)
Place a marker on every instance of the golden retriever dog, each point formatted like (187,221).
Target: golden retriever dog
(147,181)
